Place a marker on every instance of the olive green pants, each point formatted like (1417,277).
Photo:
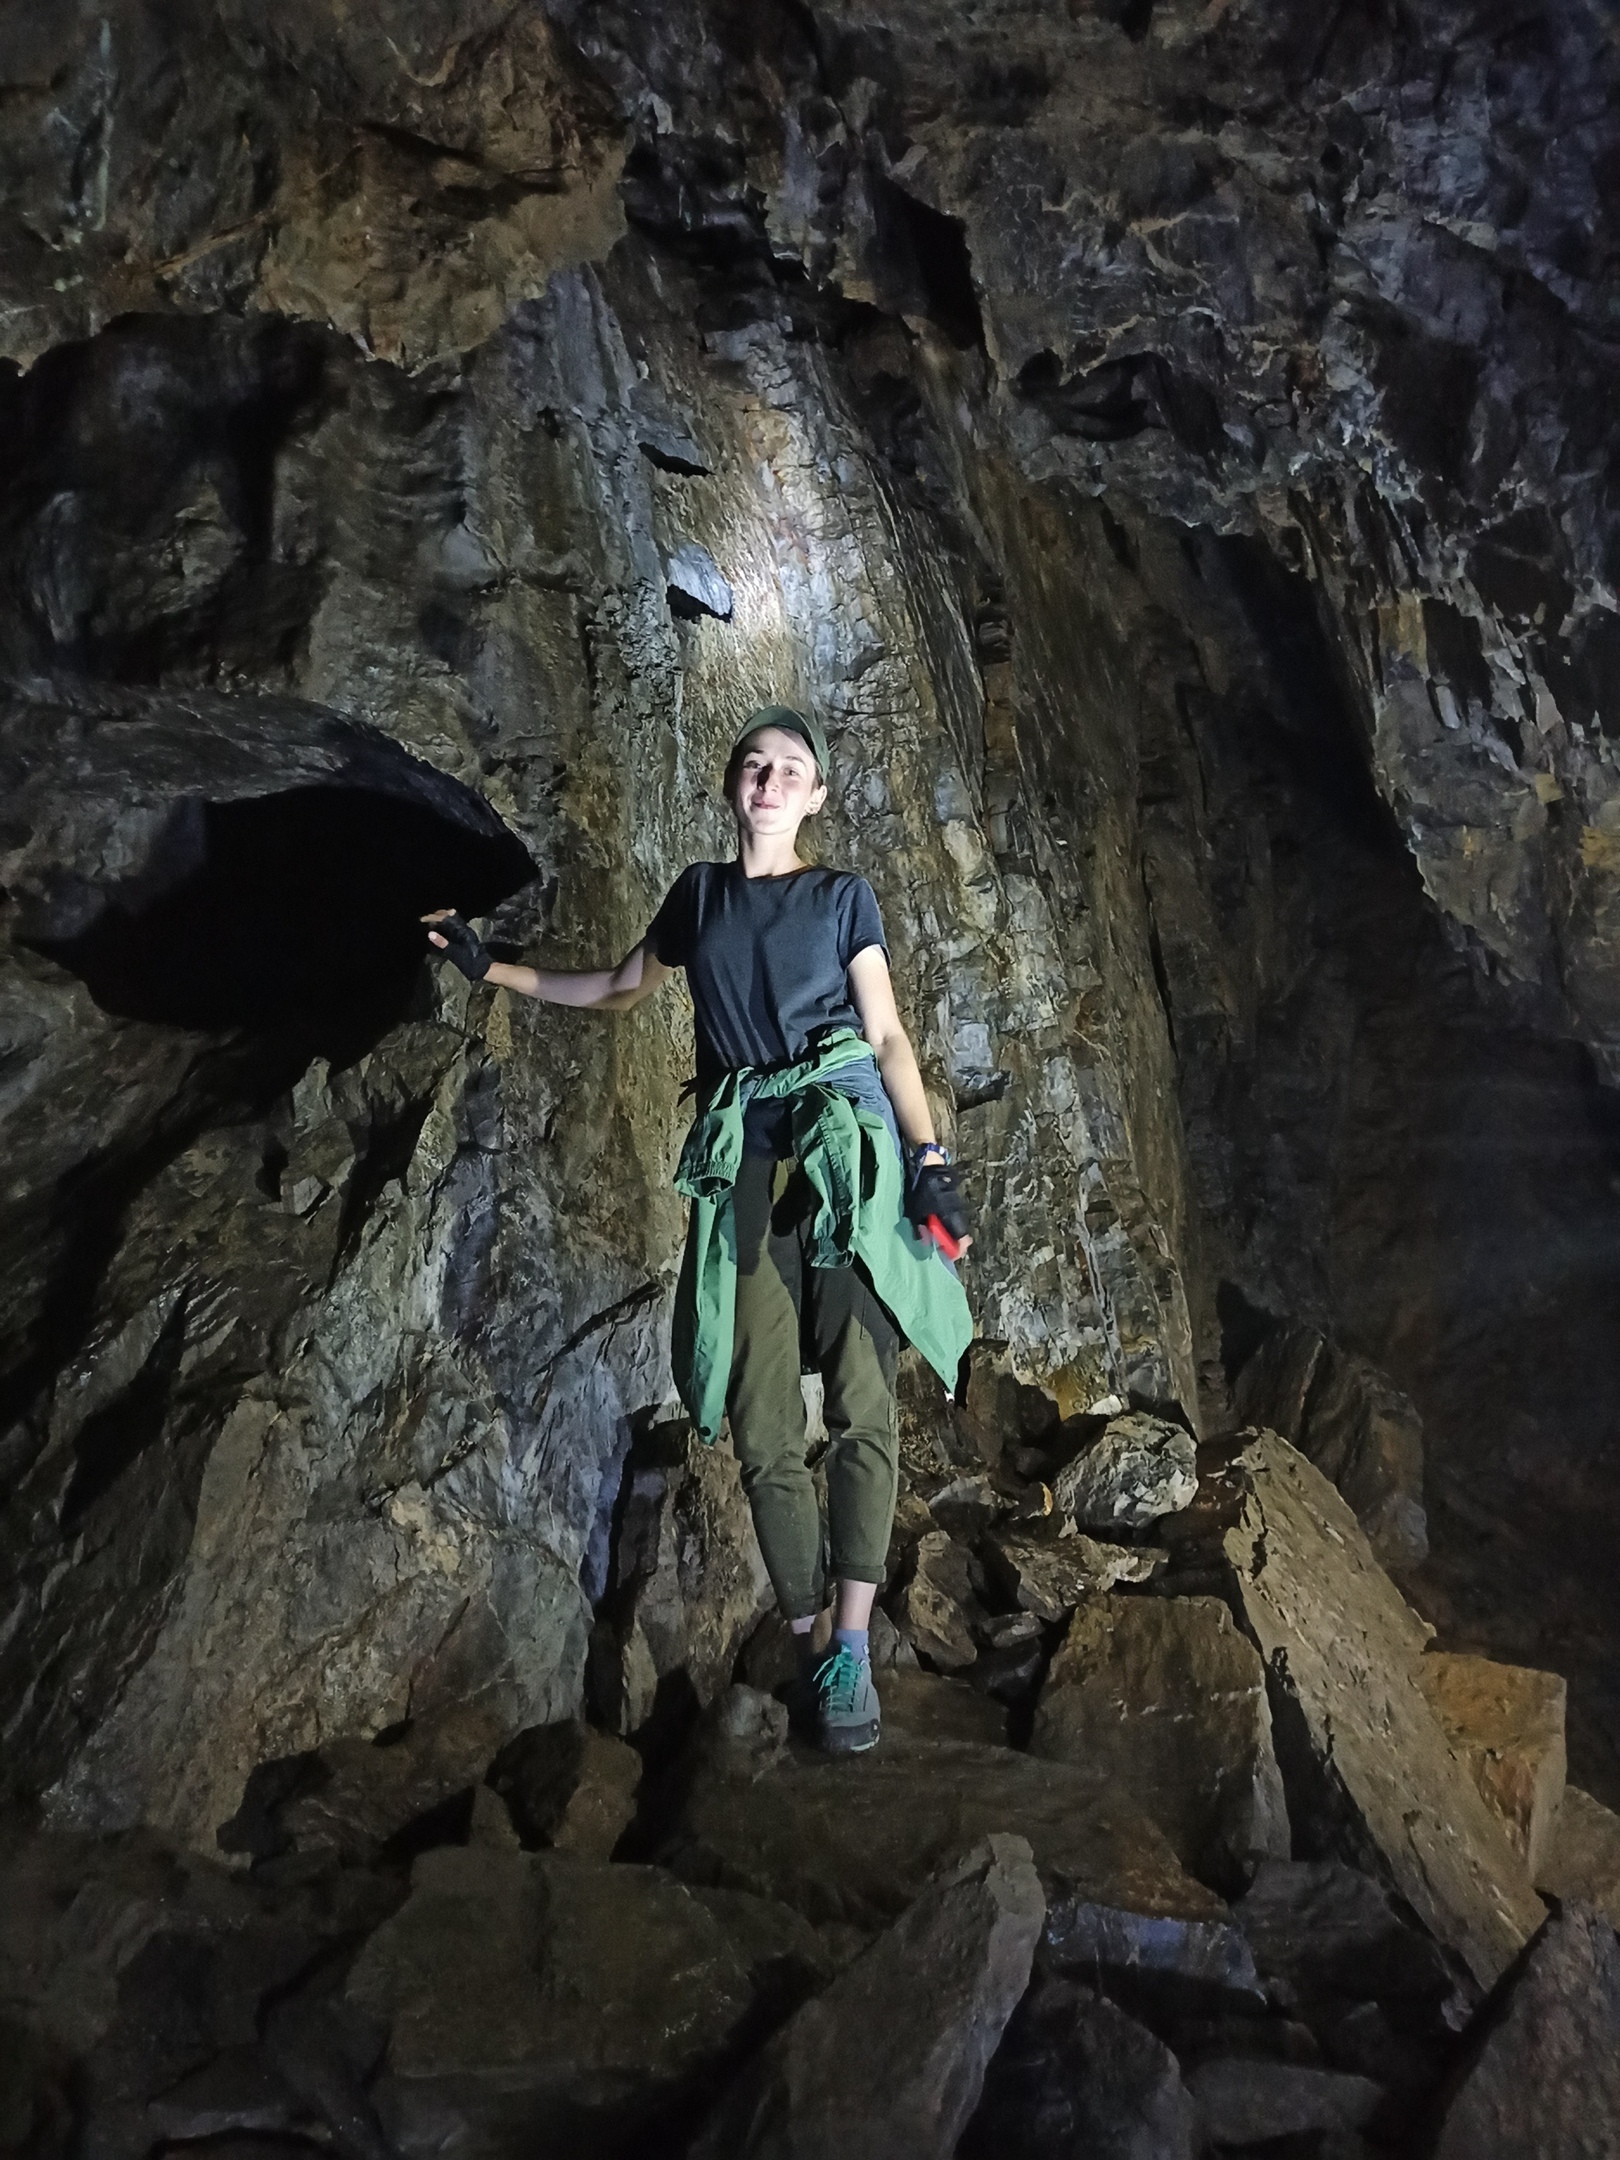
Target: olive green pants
(784,1302)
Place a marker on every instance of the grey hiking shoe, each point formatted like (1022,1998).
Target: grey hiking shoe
(844,1706)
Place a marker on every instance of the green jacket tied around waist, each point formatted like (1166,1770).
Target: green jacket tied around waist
(846,1152)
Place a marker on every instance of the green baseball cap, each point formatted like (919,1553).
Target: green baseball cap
(809,732)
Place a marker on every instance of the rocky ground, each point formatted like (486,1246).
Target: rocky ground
(1099,1891)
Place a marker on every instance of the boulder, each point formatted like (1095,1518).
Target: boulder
(1049,1576)
(1368,1764)
(1507,1724)
(570,1787)
(1584,1860)
(933,1708)
(1358,1428)
(1323,1932)
(854,1840)
(1140,1468)
(1248,2099)
(355,1797)
(1167,1965)
(931,1609)
(1169,1700)
(892,2060)
(1542,2072)
(687,1585)
(541,1997)
(1075,2076)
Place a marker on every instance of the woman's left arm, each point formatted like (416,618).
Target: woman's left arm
(873,992)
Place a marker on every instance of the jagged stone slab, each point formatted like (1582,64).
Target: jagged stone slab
(1049,1576)
(1343,1647)
(1141,1468)
(930,1611)
(1543,2074)
(1585,1858)
(1076,2075)
(1322,1931)
(541,1999)
(1167,1697)
(1248,2100)
(688,1585)
(1357,1427)
(892,2059)
(855,1840)
(1507,1723)
(1167,1964)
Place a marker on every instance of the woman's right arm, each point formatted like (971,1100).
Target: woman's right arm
(617,989)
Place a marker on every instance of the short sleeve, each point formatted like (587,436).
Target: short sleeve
(669,935)
(863,925)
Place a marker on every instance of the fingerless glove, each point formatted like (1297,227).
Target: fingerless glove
(933,1192)
(462,947)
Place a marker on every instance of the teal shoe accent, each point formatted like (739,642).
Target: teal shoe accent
(848,1716)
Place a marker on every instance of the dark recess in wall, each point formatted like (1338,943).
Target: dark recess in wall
(299,912)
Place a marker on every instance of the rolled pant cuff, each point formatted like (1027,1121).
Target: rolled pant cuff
(837,1572)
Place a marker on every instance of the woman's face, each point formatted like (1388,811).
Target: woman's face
(776,787)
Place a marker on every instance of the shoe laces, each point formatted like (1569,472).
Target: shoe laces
(840,1679)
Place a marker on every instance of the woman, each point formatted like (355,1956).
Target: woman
(805,1234)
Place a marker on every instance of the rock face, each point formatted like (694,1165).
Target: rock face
(894,2056)
(1343,1649)
(1167,1701)
(686,1586)
(1545,2070)
(1251,2102)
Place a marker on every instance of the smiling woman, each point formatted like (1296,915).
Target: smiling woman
(805,1232)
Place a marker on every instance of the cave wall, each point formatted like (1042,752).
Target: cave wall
(1168,451)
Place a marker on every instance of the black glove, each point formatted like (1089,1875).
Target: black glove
(933,1192)
(462,947)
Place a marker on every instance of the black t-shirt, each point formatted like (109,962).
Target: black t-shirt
(766,959)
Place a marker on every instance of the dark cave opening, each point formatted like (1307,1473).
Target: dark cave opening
(296,914)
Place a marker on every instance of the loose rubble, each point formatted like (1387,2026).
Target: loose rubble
(1140,1468)
(1094,1941)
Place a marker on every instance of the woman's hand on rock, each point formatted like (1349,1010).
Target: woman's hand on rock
(459,943)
